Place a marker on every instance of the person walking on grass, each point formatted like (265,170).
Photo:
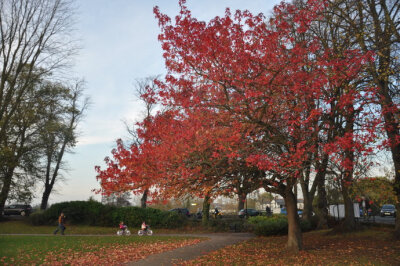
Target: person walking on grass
(61,224)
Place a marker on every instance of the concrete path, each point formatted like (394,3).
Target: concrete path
(215,241)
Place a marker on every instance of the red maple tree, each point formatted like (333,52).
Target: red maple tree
(264,78)
(247,100)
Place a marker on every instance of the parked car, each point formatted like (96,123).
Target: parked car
(183,211)
(388,210)
(248,212)
(17,209)
(284,211)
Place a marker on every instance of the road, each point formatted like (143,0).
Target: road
(380,220)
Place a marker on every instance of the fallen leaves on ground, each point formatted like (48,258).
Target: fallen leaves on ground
(319,249)
(109,254)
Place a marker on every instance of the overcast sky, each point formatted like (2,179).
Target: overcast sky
(119,44)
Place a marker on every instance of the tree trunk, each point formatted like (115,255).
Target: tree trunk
(396,185)
(397,223)
(143,200)
(308,195)
(384,30)
(5,190)
(392,130)
(322,205)
(48,184)
(295,242)
(206,211)
(45,197)
(349,219)
(241,200)
(308,208)
(346,181)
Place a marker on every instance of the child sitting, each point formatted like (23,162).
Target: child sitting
(122,226)
(144,226)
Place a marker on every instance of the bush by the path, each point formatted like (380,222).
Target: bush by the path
(134,216)
(274,225)
(228,224)
(95,213)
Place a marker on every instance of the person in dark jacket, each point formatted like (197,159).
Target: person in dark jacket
(216,212)
(268,211)
(61,224)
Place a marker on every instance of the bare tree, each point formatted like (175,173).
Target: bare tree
(58,135)
(35,41)
(144,88)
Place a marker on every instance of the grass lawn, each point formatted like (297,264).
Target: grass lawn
(22,227)
(82,250)
(369,247)
(102,247)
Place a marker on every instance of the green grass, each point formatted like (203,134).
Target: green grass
(22,227)
(21,249)
(12,246)
(79,241)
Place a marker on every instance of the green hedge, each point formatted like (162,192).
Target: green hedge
(97,214)
(134,216)
(274,225)
(228,224)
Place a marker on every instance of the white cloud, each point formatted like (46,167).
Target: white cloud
(95,140)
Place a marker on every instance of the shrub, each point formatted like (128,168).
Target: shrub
(305,225)
(76,212)
(83,212)
(218,225)
(134,216)
(173,220)
(314,221)
(266,226)
(49,216)
(105,216)
(227,224)
(37,218)
(274,225)
(95,213)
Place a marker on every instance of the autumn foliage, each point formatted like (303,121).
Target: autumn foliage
(245,98)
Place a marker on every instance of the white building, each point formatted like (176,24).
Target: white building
(278,203)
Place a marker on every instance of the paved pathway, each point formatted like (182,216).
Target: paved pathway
(215,241)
